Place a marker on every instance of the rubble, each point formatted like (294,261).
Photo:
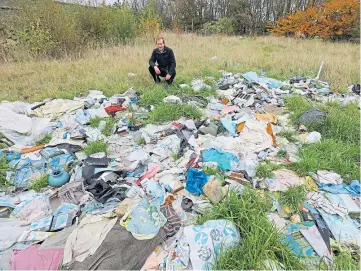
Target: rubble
(135,204)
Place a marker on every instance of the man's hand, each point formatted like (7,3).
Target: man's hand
(157,70)
(167,77)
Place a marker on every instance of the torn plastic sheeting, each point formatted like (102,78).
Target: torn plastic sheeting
(149,174)
(229,109)
(21,129)
(26,169)
(58,107)
(196,179)
(284,178)
(30,210)
(321,224)
(345,231)
(252,77)
(353,188)
(10,156)
(254,137)
(144,211)
(82,116)
(221,157)
(313,236)
(268,117)
(312,115)
(299,245)
(11,229)
(114,108)
(209,240)
(34,259)
(229,125)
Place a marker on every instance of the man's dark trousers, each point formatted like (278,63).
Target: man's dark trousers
(163,73)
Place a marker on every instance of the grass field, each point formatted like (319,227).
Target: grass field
(106,69)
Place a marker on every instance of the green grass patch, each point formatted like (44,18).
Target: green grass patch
(4,166)
(153,95)
(343,259)
(297,105)
(259,238)
(140,141)
(95,147)
(167,112)
(94,122)
(206,72)
(329,154)
(342,122)
(339,149)
(109,124)
(175,156)
(45,140)
(264,169)
(293,198)
(289,135)
(211,170)
(39,183)
(281,154)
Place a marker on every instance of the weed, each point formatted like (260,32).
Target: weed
(39,183)
(152,96)
(264,170)
(281,154)
(343,259)
(109,124)
(210,170)
(175,156)
(167,112)
(45,140)
(140,141)
(289,135)
(95,147)
(4,166)
(259,238)
(94,122)
(293,198)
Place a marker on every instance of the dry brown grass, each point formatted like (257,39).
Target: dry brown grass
(106,69)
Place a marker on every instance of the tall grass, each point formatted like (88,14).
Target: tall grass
(107,68)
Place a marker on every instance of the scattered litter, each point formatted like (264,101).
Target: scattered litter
(118,192)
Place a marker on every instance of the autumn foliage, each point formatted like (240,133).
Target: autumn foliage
(335,19)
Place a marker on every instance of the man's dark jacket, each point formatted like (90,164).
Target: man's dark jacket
(165,60)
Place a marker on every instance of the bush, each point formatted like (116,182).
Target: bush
(49,28)
(334,19)
(222,26)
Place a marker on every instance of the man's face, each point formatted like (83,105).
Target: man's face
(160,45)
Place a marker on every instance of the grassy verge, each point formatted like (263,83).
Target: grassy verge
(339,148)
(260,241)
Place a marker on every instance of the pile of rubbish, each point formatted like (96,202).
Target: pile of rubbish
(136,205)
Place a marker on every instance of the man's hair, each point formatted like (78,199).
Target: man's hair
(160,38)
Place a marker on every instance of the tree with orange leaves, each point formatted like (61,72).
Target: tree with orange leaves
(335,19)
